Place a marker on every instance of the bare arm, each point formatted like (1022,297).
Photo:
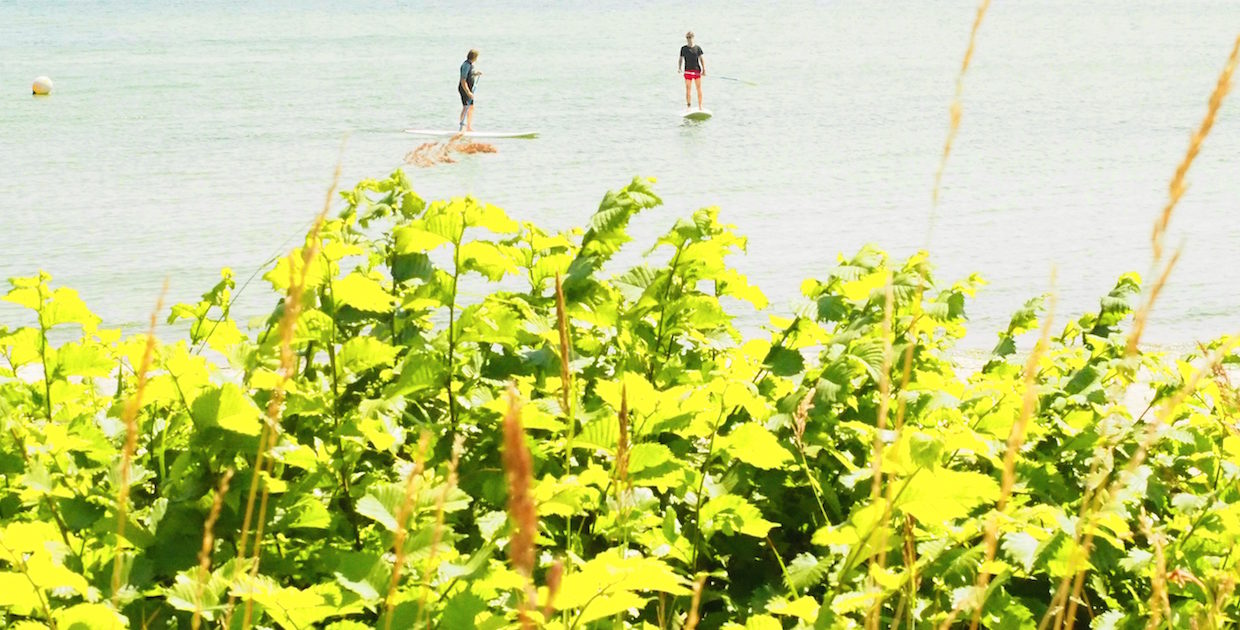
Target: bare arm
(702,63)
(680,64)
(465,86)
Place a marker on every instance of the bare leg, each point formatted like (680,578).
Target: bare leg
(688,86)
(469,118)
(461,123)
(699,90)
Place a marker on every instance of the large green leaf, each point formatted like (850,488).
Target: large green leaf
(364,573)
(227,407)
(90,617)
(363,353)
(938,497)
(729,514)
(755,445)
(362,293)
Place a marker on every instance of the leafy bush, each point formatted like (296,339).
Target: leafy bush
(354,461)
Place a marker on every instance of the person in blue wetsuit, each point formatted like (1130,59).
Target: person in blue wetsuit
(465,87)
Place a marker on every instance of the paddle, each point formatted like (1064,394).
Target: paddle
(735,79)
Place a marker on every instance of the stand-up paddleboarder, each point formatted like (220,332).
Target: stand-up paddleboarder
(693,64)
(465,87)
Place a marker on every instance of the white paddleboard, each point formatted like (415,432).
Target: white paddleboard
(446,133)
(696,114)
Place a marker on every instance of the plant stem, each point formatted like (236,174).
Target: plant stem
(658,338)
(697,508)
(456,274)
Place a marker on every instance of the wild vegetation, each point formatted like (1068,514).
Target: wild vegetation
(581,446)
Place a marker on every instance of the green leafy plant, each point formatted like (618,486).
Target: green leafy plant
(841,470)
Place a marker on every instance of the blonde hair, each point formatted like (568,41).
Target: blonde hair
(473,54)
(689,35)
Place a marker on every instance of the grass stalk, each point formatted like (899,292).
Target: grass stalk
(402,526)
(129,416)
(1141,316)
(522,514)
(698,501)
(208,545)
(1160,604)
(566,392)
(1016,440)
(1178,186)
(566,374)
(458,447)
(269,432)
(456,275)
(1176,192)
(878,560)
(957,107)
(622,447)
(1064,603)
(799,419)
(1177,189)
(555,579)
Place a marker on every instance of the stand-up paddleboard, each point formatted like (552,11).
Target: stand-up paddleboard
(696,114)
(493,135)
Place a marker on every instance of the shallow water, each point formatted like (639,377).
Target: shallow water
(187,136)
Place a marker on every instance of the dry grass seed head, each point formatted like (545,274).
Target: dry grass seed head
(1178,185)
(522,514)
(519,469)
(1016,439)
(1141,316)
(801,417)
(208,545)
(402,524)
(622,444)
(957,108)
(458,447)
(268,434)
(555,577)
(129,416)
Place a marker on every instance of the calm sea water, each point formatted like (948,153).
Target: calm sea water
(187,136)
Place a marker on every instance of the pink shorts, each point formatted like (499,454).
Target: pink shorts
(692,74)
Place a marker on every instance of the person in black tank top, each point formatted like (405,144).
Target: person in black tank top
(693,64)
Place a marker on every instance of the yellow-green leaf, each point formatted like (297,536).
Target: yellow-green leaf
(936,497)
(755,445)
(415,240)
(362,293)
(227,407)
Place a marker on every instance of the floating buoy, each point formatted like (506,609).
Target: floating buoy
(42,86)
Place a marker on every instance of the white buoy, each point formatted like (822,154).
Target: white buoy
(42,86)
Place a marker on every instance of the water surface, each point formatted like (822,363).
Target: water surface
(187,136)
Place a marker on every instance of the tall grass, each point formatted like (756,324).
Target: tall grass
(957,107)
(208,546)
(1176,191)
(566,374)
(269,432)
(458,448)
(879,559)
(403,515)
(1016,440)
(129,417)
(1064,604)
(522,514)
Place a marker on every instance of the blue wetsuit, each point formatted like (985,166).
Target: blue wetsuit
(468,76)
